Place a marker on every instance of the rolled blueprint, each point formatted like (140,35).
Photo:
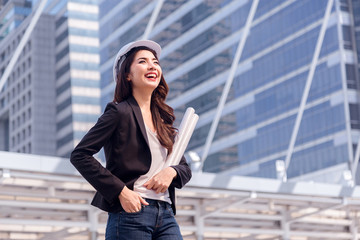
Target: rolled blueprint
(186,130)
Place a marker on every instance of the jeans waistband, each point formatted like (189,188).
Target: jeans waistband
(153,202)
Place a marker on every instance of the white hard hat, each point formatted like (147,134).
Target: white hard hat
(125,49)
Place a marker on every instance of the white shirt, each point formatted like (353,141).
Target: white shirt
(158,156)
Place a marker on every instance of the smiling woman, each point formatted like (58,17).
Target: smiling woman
(136,130)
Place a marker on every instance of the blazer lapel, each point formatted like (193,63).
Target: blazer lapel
(137,112)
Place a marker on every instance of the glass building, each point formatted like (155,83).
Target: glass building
(288,44)
(57,72)
(77,70)
(12,15)
(27,99)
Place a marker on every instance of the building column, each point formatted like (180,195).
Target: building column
(93,220)
(93,235)
(354,228)
(199,222)
(285,225)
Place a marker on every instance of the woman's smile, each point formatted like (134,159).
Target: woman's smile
(152,76)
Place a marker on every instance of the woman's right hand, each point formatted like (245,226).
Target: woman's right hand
(131,201)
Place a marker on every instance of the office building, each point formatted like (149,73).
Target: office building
(77,71)
(200,39)
(12,15)
(27,100)
(63,80)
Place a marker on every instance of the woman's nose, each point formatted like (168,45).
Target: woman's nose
(151,66)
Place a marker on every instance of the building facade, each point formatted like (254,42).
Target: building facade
(60,67)
(27,100)
(12,15)
(77,71)
(200,39)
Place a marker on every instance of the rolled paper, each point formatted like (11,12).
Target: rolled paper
(186,129)
(185,138)
(186,119)
(183,126)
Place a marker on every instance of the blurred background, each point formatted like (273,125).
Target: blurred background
(275,83)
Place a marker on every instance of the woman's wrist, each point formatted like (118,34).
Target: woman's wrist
(174,172)
(124,191)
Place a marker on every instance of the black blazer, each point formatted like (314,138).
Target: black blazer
(121,131)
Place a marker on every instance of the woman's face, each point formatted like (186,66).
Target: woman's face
(145,71)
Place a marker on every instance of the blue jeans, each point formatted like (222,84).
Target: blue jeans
(155,221)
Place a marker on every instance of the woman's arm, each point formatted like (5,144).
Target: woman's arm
(108,185)
(177,176)
(183,172)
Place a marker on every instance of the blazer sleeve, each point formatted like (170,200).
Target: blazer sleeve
(108,185)
(183,174)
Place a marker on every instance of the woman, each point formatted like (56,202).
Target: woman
(137,135)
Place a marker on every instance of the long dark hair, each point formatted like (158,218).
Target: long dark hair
(162,114)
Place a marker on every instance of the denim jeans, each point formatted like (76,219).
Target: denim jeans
(153,222)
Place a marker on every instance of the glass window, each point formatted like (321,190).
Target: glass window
(347,37)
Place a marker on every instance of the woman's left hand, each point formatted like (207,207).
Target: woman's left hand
(162,180)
